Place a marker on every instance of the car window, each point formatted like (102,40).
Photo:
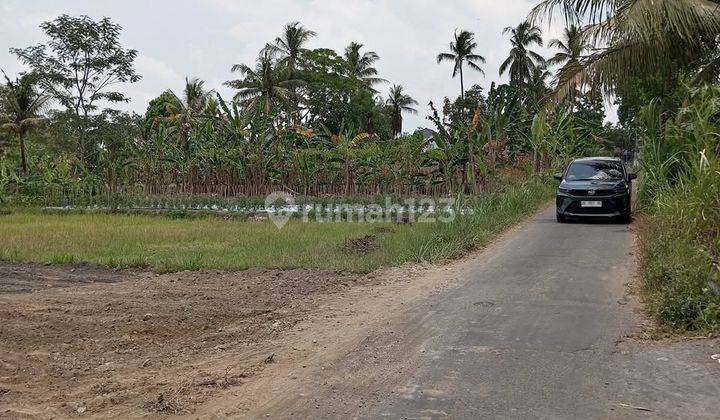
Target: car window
(599,171)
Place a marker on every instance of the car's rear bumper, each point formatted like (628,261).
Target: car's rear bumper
(612,206)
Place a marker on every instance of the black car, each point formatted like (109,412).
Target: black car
(594,187)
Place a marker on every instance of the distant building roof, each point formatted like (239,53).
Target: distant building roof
(426,132)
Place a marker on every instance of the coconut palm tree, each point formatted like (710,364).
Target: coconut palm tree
(291,43)
(185,110)
(289,46)
(194,98)
(634,38)
(360,65)
(399,102)
(268,85)
(571,48)
(521,61)
(22,103)
(461,52)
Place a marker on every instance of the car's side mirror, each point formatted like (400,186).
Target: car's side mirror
(558,176)
(632,176)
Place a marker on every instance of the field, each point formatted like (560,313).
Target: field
(132,342)
(166,244)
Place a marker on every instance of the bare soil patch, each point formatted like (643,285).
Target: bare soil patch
(92,341)
(24,278)
(362,244)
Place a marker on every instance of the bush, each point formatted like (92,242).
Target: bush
(681,191)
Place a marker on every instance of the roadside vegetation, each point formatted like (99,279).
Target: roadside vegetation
(680,238)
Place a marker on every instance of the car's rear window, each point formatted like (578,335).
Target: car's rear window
(595,170)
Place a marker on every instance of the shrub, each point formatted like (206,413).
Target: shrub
(681,191)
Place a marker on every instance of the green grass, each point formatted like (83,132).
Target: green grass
(678,241)
(167,244)
(680,191)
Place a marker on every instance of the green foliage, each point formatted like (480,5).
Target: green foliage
(399,102)
(81,60)
(334,98)
(617,138)
(21,104)
(522,62)
(158,110)
(290,126)
(79,64)
(633,39)
(360,66)
(267,88)
(638,93)
(681,190)
(463,107)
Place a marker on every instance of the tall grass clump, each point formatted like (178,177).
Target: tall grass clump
(680,190)
(491,213)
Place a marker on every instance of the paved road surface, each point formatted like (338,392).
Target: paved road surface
(537,328)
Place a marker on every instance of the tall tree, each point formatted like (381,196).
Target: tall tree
(521,61)
(571,48)
(346,143)
(635,38)
(292,43)
(399,102)
(194,97)
(21,104)
(462,50)
(360,65)
(183,111)
(538,85)
(266,86)
(79,65)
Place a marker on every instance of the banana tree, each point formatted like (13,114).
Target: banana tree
(539,139)
(345,144)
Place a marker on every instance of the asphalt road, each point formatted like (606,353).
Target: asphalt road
(533,331)
(537,327)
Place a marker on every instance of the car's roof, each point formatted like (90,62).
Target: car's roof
(598,158)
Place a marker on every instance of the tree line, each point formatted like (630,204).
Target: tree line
(309,120)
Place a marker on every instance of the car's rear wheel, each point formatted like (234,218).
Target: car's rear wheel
(560,218)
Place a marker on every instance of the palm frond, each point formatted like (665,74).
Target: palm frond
(634,38)
(445,57)
(475,57)
(475,67)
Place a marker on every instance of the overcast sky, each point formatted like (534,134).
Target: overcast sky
(204,38)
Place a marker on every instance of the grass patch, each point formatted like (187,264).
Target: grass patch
(679,239)
(171,244)
(676,273)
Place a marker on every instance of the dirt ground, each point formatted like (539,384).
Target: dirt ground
(90,341)
(94,342)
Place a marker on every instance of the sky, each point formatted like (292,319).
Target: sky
(204,38)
